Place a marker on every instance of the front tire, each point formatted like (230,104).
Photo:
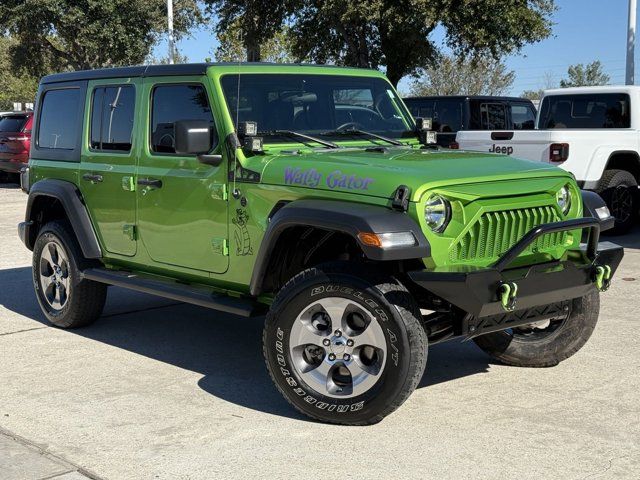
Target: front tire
(65,298)
(344,347)
(546,344)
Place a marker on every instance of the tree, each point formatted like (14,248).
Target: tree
(396,34)
(82,34)
(14,87)
(257,21)
(164,60)
(478,76)
(231,47)
(548,81)
(585,76)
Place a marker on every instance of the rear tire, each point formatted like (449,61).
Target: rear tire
(344,346)
(65,298)
(619,190)
(546,347)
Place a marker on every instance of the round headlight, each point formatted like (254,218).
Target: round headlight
(563,197)
(437,213)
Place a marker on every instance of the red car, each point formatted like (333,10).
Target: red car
(15,141)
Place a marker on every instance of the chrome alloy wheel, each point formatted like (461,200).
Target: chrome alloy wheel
(337,347)
(54,275)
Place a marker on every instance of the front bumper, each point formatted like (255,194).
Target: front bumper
(477,291)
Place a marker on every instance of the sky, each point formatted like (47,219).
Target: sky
(583,31)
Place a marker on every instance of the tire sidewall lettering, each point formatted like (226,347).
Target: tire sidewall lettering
(280,348)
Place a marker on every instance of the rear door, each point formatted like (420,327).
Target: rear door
(106,176)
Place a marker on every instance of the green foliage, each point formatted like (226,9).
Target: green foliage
(548,81)
(257,20)
(276,49)
(479,76)
(164,60)
(14,87)
(82,34)
(396,33)
(580,75)
(532,94)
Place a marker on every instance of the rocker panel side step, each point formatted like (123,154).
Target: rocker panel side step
(175,291)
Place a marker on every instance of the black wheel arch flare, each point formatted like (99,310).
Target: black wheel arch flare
(345,217)
(71,200)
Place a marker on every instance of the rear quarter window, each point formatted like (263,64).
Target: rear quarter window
(605,110)
(59,122)
(523,116)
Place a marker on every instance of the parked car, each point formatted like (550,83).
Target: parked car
(15,142)
(591,132)
(451,114)
(255,189)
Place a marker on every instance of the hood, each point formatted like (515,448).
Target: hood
(379,172)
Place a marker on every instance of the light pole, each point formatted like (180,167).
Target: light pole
(170,28)
(631,41)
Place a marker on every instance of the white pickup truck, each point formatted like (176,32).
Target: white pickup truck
(593,132)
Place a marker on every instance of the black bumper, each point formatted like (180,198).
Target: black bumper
(476,290)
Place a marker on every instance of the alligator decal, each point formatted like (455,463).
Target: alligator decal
(241,235)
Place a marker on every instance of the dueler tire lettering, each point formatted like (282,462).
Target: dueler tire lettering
(388,302)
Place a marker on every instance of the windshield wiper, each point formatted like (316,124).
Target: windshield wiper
(292,134)
(355,131)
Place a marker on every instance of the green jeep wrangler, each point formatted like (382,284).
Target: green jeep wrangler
(310,194)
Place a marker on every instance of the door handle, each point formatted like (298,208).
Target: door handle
(150,182)
(92,177)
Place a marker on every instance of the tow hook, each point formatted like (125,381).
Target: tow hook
(602,277)
(507,292)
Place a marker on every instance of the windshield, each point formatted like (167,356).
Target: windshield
(316,105)
(602,110)
(12,123)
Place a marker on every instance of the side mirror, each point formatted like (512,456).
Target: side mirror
(194,137)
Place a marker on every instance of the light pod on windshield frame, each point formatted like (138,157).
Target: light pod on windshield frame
(425,134)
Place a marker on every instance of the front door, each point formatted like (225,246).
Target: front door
(182,203)
(108,162)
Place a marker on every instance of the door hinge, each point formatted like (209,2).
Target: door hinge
(128,184)
(220,246)
(219,191)
(130,231)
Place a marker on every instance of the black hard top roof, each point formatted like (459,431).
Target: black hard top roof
(155,71)
(470,97)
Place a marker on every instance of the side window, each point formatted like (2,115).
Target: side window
(112,113)
(59,122)
(447,115)
(494,116)
(523,117)
(171,103)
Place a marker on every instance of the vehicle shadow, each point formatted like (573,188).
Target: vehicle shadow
(225,349)
(630,240)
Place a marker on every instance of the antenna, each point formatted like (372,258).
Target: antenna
(235,157)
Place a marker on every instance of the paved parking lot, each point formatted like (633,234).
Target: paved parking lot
(160,390)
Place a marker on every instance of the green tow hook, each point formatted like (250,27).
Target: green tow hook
(508,296)
(603,277)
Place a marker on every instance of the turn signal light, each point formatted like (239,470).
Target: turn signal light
(387,240)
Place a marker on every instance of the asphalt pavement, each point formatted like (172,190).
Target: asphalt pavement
(161,390)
